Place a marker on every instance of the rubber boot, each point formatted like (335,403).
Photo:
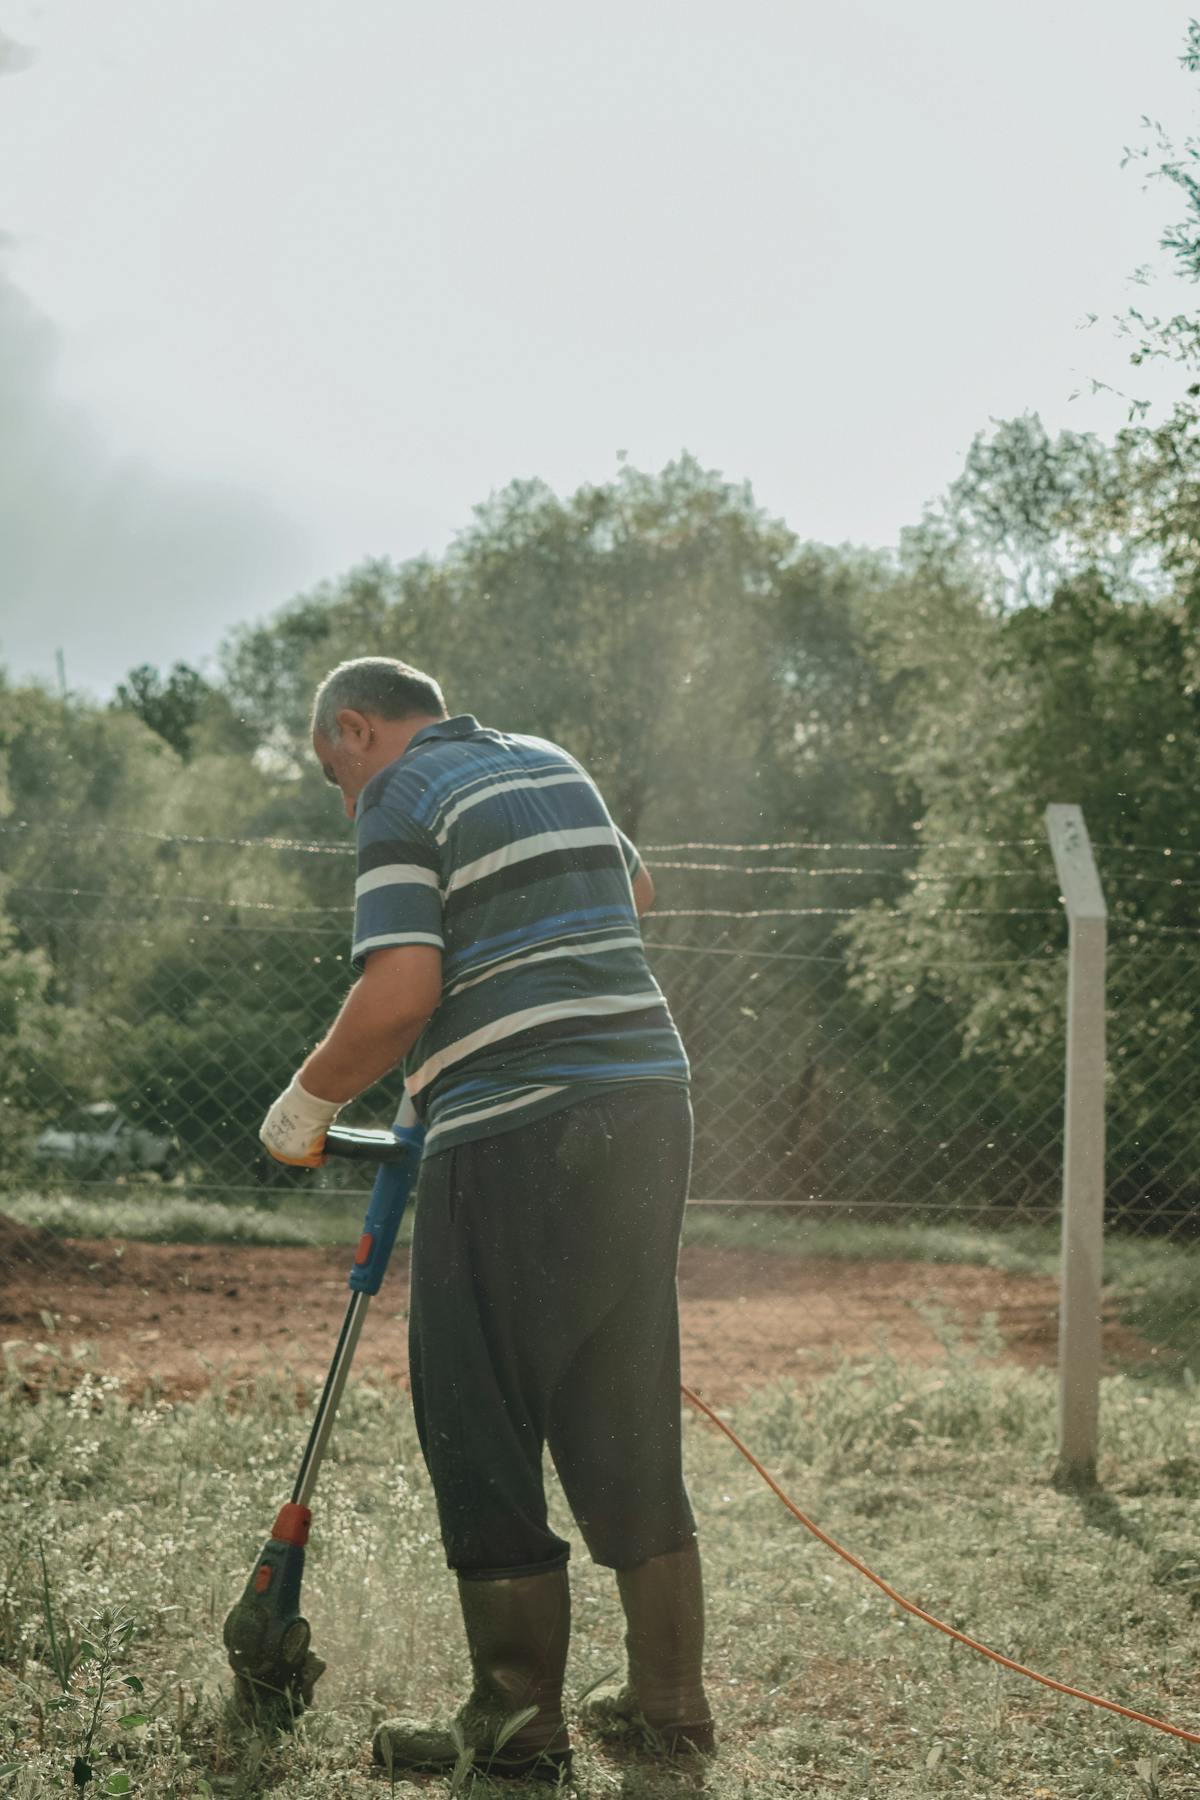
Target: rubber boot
(664,1615)
(517,1635)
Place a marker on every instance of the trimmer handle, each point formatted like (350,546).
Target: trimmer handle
(358,1144)
(398,1153)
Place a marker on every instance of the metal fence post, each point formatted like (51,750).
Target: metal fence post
(1083,1146)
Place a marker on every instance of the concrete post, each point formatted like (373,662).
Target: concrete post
(1083,1146)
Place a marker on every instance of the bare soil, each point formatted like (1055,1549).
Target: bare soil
(175,1318)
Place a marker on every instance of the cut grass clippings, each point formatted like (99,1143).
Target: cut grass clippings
(149,1518)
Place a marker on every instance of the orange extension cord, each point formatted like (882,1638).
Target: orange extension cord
(1005,1662)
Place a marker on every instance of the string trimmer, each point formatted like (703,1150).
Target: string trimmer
(266,1635)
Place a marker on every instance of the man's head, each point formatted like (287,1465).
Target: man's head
(364,714)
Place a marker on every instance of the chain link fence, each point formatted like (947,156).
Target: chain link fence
(877,1055)
(1152,1217)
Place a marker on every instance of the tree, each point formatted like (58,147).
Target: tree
(835,775)
(1031,511)
(1159,460)
(82,785)
(176,707)
(1087,699)
(48,1051)
(632,621)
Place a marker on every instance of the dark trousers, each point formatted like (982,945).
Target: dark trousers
(544,1312)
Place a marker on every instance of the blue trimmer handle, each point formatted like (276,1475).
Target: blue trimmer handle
(398,1153)
(389,1197)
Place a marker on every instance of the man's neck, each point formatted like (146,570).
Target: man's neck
(393,736)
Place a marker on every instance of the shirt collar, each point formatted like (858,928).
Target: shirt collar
(463,725)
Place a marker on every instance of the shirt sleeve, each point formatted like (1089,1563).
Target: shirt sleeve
(397,895)
(633,861)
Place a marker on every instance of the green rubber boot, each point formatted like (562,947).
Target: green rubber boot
(663,1701)
(517,1635)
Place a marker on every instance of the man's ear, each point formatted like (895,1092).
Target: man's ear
(355,728)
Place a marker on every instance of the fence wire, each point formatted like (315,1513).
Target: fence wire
(877,1052)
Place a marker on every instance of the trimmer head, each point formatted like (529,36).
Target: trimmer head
(266,1636)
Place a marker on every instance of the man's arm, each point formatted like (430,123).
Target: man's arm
(639,874)
(382,1017)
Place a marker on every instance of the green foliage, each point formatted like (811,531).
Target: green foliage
(1024,511)
(657,594)
(78,780)
(722,680)
(173,706)
(47,1049)
(832,774)
(215,1025)
(635,622)
(1088,699)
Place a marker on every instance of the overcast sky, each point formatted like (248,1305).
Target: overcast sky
(289,284)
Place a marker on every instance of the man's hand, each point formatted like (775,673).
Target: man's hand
(381,1018)
(294,1129)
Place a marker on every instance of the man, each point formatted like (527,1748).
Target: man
(499,957)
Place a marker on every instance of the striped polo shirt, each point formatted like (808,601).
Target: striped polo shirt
(499,850)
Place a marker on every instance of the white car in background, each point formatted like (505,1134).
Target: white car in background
(98,1140)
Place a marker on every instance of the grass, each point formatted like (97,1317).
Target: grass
(148,1518)
(169,1216)
(155,1215)
(1017,1249)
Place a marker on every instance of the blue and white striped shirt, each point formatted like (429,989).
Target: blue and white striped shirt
(499,849)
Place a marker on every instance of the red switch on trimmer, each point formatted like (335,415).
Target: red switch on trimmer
(366,1244)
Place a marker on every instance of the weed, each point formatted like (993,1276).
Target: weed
(95,1702)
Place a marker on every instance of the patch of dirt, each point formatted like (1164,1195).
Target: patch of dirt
(174,1316)
(746,1317)
(32,1247)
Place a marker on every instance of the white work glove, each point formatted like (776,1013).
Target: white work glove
(294,1129)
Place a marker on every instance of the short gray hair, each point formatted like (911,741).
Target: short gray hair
(375,684)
